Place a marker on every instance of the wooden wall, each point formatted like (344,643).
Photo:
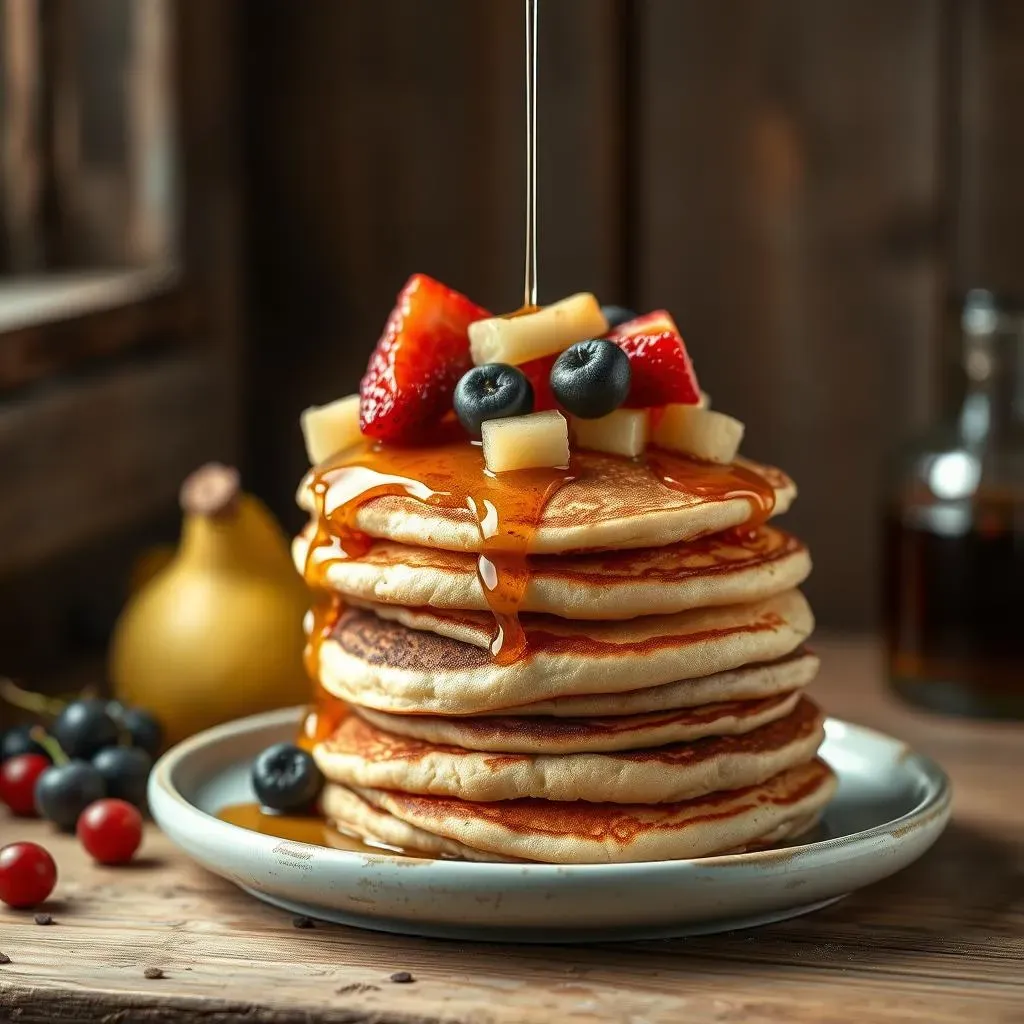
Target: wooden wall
(799,181)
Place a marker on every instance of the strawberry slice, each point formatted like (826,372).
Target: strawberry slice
(538,373)
(421,355)
(662,372)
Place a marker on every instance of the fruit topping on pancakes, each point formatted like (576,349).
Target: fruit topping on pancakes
(526,384)
(419,359)
(662,370)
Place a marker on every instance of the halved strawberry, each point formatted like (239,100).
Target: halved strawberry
(421,355)
(538,373)
(662,372)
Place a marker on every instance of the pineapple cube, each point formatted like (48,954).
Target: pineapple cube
(707,435)
(623,432)
(519,339)
(705,401)
(330,428)
(526,442)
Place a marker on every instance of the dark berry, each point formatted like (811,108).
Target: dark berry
(110,831)
(125,772)
(18,778)
(617,315)
(85,727)
(591,378)
(144,729)
(286,778)
(65,790)
(19,741)
(490,392)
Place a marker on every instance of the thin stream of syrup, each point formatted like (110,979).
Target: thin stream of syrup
(530,282)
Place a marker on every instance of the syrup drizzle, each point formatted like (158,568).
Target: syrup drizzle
(530,282)
(506,511)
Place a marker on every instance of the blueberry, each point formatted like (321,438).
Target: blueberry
(489,392)
(19,741)
(617,315)
(591,378)
(125,772)
(144,729)
(286,778)
(85,727)
(65,790)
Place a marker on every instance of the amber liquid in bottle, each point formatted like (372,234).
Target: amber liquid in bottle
(954,612)
(954,536)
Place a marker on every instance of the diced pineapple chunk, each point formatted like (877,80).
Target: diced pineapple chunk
(519,339)
(526,442)
(708,435)
(330,428)
(705,401)
(623,432)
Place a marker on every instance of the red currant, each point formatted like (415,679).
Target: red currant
(27,874)
(18,777)
(110,830)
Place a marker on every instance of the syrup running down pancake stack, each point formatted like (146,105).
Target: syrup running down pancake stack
(594,659)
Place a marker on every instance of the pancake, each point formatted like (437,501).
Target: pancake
(539,735)
(373,662)
(602,501)
(751,682)
(722,569)
(361,755)
(586,833)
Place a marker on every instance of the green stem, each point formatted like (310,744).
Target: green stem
(49,744)
(37,703)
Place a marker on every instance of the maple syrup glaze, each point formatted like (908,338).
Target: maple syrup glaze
(311,829)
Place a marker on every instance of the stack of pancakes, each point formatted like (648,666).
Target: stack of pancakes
(656,710)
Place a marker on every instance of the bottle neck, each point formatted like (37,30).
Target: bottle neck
(993,408)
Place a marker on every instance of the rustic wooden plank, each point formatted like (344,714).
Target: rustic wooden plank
(789,202)
(51,325)
(366,168)
(988,76)
(21,234)
(153,209)
(90,455)
(941,942)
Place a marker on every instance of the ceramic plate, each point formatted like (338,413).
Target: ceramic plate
(890,807)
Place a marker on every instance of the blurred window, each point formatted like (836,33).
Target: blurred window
(88,191)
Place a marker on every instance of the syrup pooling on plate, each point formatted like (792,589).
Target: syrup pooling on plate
(506,509)
(300,828)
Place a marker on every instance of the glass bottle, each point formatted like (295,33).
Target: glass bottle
(954,534)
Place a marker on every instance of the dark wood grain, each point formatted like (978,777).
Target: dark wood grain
(386,139)
(789,217)
(988,155)
(940,943)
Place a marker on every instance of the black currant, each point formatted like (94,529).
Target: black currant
(65,790)
(490,392)
(125,772)
(144,729)
(286,778)
(19,741)
(85,727)
(591,378)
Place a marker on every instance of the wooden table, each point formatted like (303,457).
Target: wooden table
(944,941)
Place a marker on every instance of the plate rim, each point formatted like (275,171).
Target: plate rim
(935,802)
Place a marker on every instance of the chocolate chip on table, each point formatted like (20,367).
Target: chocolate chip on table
(303,922)
(4,958)
(153,973)
(43,919)
(402,977)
